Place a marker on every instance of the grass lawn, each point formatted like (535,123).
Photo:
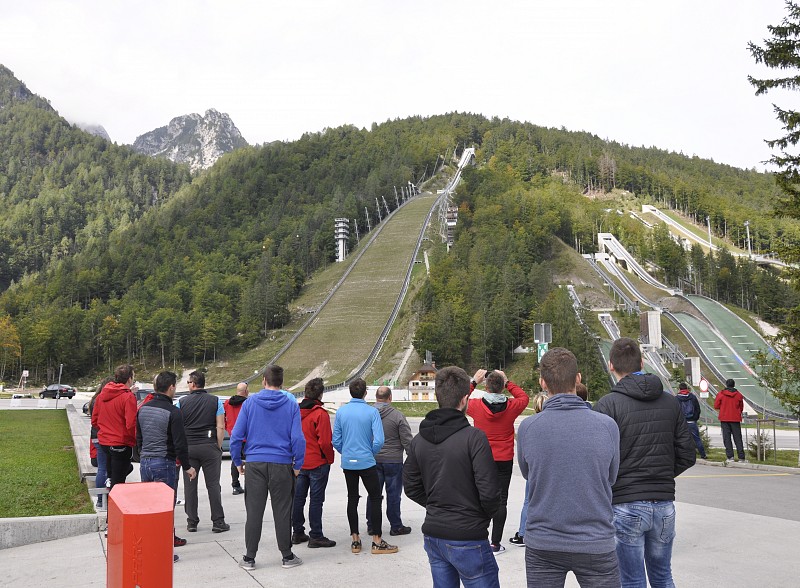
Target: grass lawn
(786,458)
(38,469)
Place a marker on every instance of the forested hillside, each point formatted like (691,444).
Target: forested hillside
(111,256)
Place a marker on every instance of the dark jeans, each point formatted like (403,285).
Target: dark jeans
(208,457)
(102,473)
(159,469)
(315,480)
(470,562)
(369,477)
(390,475)
(504,470)
(698,442)
(235,472)
(732,429)
(548,569)
(277,481)
(118,463)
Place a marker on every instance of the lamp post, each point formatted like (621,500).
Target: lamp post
(749,250)
(708,221)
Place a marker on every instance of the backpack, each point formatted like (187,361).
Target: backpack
(687,406)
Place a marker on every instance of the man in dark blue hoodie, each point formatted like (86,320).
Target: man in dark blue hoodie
(654,447)
(451,472)
(570,456)
(276,447)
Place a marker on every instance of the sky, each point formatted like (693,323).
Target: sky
(667,74)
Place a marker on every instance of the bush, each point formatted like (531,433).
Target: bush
(760,443)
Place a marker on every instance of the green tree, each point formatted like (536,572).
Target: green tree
(10,348)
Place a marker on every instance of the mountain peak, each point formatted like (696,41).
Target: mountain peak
(13,90)
(198,140)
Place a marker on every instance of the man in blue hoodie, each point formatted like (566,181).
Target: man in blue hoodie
(276,446)
(570,457)
(358,437)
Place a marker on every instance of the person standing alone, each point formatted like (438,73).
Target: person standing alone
(730,404)
(691,410)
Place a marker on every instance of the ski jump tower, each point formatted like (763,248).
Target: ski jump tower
(342,234)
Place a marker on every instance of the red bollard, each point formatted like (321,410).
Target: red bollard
(141,524)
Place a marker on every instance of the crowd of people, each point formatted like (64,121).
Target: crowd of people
(600,479)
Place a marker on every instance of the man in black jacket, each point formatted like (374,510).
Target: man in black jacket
(655,447)
(691,411)
(451,472)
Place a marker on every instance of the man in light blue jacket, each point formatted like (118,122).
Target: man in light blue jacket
(358,437)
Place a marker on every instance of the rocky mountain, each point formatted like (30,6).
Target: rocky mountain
(193,139)
(92,129)
(14,91)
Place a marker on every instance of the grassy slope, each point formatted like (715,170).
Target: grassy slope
(38,469)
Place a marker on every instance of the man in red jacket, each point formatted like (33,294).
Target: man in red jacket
(313,475)
(114,416)
(494,414)
(730,404)
(232,406)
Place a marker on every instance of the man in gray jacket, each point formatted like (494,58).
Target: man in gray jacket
(570,457)
(397,437)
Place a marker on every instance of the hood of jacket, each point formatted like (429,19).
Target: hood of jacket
(307,405)
(383,408)
(564,402)
(112,391)
(270,399)
(729,393)
(441,423)
(640,386)
(236,400)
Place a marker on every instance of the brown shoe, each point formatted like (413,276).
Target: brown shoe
(383,547)
(355,546)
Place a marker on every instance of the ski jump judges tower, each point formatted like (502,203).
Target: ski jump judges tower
(342,234)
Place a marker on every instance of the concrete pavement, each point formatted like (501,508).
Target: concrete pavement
(737,527)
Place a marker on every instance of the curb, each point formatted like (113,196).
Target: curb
(751,466)
(15,532)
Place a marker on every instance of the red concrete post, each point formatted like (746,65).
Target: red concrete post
(140,535)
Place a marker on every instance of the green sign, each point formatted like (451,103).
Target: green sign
(542,349)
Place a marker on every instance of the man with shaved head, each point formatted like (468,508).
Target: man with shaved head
(396,438)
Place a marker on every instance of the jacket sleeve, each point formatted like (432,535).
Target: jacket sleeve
(613,470)
(130,415)
(405,433)
(717,401)
(684,445)
(325,435)
(238,435)
(740,404)
(377,432)
(696,404)
(413,484)
(95,415)
(485,472)
(521,399)
(138,434)
(523,464)
(298,439)
(178,437)
(337,434)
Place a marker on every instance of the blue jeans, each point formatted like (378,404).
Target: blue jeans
(315,480)
(523,516)
(100,479)
(698,442)
(645,532)
(159,469)
(470,562)
(390,475)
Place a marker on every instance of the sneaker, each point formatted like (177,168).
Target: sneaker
(191,527)
(400,531)
(291,562)
(355,546)
(179,502)
(175,557)
(179,542)
(321,542)
(383,547)
(497,548)
(517,539)
(238,490)
(247,563)
(298,538)
(99,501)
(220,527)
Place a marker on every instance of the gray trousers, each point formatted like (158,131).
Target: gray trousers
(263,479)
(208,457)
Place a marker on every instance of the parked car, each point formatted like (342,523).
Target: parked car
(57,391)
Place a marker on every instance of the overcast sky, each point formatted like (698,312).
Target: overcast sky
(670,74)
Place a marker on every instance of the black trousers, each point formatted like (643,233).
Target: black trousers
(369,477)
(732,429)
(118,462)
(504,471)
